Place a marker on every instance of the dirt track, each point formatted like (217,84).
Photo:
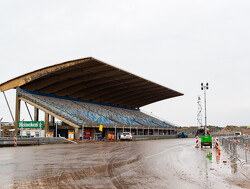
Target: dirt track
(172,163)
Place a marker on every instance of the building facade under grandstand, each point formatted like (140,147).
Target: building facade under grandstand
(87,93)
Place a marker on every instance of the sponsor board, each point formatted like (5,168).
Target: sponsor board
(30,124)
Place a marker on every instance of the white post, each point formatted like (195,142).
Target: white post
(115,132)
(22,130)
(1,127)
(56,129)
(40,124)
(82,131)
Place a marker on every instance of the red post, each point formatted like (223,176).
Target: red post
(15,141)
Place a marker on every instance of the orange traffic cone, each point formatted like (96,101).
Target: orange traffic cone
(218,151)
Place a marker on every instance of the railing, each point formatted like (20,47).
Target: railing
(9,141)
(159,118)
(237,147)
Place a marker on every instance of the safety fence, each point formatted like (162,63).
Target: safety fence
(237,147)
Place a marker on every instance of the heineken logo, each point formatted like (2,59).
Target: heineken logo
(30,124)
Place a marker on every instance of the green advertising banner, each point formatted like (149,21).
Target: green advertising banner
(248,127)
(30,124)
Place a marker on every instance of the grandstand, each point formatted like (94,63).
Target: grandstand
(89,93)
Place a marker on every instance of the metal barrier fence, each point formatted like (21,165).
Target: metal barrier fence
(152,137)
(9,141)
(237,147)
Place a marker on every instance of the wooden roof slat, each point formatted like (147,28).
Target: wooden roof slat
(113,90)
(82,82)
(136,95)
(53,79)
(95,92)
(59,86)
(90,84)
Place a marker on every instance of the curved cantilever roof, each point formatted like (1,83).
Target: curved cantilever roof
(93,80)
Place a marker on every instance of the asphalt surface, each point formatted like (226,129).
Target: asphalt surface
(169,163)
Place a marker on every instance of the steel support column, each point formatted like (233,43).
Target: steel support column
(46,123)
(36,114)
(76,133)
(17,115)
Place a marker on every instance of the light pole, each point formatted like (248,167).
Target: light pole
(205,87)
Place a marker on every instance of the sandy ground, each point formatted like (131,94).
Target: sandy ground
(171,163)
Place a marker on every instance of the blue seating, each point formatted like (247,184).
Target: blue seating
(92,113)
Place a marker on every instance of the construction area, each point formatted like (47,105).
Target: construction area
(173,163)
(89,107)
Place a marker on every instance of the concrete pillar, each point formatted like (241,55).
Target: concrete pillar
(46,122)
(93,132)
(106,131)
(36,114)
(52,120)
(76,133)
(17,115)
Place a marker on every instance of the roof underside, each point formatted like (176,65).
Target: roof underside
(93,80)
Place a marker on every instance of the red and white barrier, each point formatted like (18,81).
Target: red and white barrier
(197,142)
(15,141)
(216,143)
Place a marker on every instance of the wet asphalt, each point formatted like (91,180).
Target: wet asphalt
(169,163)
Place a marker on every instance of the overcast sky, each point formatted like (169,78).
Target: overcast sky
(176,43)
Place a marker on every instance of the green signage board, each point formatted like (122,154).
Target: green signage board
(30,124)
(248,127)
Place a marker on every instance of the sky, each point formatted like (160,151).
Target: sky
(177,44)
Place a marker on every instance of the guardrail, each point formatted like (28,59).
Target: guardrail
(9,141)
(152,137)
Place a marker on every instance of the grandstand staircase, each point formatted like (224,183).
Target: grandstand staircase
(156,123)
(137,122)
